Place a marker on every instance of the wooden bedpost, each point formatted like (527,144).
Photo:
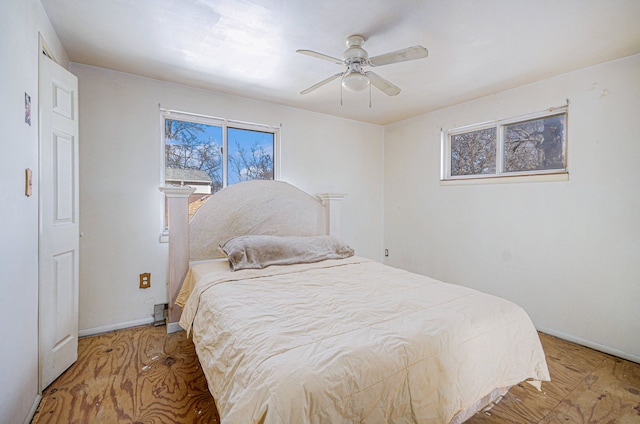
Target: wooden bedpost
(332,203)
(178,223)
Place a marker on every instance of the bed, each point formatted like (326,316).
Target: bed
(291,327)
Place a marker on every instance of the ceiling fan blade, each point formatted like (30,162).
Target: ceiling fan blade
(382,84)
(320,56)
(410,53)
(321,83)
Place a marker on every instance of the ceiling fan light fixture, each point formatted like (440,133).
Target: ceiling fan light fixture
(355,81)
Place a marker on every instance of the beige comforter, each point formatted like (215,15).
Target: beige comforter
(352,341)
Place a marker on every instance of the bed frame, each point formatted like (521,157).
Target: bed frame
(252,207)
(259,208)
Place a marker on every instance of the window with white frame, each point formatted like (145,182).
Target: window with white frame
(535,144)
(209,153)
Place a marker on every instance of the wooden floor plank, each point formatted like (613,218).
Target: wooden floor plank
(522,404)
(568,364)
(611,393)
(135,375)
(586,387)
(143,375)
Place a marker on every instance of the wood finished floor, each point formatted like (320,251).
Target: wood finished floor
(143,375)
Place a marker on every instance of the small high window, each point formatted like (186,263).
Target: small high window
(532,145)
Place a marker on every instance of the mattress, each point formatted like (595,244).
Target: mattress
(352,340)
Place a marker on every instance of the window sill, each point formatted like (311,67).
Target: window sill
(502,179)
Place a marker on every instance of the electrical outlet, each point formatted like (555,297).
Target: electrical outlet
(145,280)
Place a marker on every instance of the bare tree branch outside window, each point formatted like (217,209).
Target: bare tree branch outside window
(474,152)
(188,146)
(250,155)
(535,145)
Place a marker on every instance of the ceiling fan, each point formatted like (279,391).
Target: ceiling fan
(355,78)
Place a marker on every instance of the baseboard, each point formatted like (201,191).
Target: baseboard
(34,408)
(590,344)
(173,327)
(119,326)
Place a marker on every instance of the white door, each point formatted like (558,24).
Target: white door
(58,216)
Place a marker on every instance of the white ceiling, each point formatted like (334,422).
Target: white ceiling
(248,47)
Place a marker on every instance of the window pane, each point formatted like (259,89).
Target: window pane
(474,153)
(535,145)
(250,155)
(193,158)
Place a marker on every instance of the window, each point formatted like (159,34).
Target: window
(535,144)
(210,153)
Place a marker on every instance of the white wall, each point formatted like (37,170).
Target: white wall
(120,171)
(568,252)
(20,22)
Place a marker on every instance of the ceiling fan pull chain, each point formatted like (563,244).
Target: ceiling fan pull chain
(340,94)
(369,96)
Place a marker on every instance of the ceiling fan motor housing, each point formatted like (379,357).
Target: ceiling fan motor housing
(355,53)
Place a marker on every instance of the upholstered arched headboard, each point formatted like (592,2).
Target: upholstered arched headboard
(254,207)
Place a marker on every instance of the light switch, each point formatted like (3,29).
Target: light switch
(28,182)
